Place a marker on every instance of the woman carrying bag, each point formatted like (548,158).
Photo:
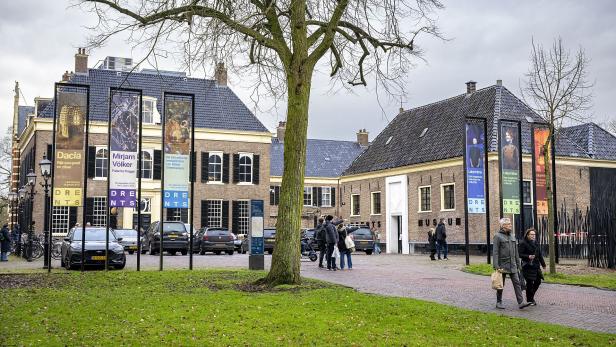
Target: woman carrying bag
(344,241)
(532,262)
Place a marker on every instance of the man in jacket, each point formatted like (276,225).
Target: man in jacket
(506,261)
(5,243)
(441,239)
(319,236)
(331,238)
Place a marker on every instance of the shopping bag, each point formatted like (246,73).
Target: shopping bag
(336,253)
(348,242)
(497,280)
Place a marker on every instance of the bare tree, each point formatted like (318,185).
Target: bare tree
(6,169)
(284,43)
(556,88)
(611,126)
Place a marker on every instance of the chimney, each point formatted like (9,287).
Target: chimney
(499,83)
(400,110)
(280,130)
(66,76)
(362,137)
(471,87)
(81,61)
(220,75)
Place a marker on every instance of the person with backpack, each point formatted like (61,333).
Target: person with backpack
(5,243)
(441,239)
(319,236)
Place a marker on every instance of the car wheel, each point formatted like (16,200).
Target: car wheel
(368,251)
(152,251)
(143,251)
(217,252)
(184,252)
(201,251)
(67,264)
(171,252)
(230,252)
(131,252)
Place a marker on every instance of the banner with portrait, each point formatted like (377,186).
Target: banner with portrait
(510,155)
(71,113)
(123,138)
(540,136)
(475,164)
(176,142)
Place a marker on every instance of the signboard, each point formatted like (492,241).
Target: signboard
(178,123)
(256,227)
(69,154)
(510,167)
(540,136)
(475,161)
(123,139)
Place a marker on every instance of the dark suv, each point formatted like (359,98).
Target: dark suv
(364,240)
(175,238)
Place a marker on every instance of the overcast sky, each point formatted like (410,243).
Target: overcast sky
(489,40)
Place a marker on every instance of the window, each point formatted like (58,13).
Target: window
(425,199)
(174,214)
(214,213)
(448,197)
(146,205)
(147,164)
(375,203)
(99,215)
(354,204)
(243,218)
(60,220)
(214,167)
(149,110)
(326,196)
(527,192)
(307,196)
(100,162)
(245,168)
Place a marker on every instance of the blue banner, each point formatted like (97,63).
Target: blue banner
(475,162)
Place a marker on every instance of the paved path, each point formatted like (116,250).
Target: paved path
(417,277)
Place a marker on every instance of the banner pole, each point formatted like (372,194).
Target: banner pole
(139,174)
(161,224)
(52,156)
(193,168)
(487,187)
(85,180)
(108,209)
(500,167)
(464,158)
(521,180)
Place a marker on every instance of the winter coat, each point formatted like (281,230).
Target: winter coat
(5,245)
(331,235)
(319,234)
(531,269)
(432,241)
(505,252)
(441,233)
(342,234)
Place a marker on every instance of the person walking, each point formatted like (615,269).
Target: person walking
(432,243)
(331,238)
(506,261)
(441,239)
(319,235)
(377,240)
(5,243)
(532,262)
(345,251)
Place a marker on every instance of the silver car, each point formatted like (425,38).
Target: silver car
(129,239)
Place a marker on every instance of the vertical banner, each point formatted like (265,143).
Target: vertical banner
(123,136)
(68,160)
(475,178)
(510,167)
(540,136)
(178,124)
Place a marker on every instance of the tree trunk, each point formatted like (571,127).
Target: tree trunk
(285,267)
(547,161)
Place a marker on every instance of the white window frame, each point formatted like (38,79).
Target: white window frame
(151,153)
(326,191)
(217,214)
(372,203)
(243,217)
(532,193)
(249,155)
(308,191)
(419,210)
(60,219)
(154,113)
(99,211)
(221,156)
(443,185)
(148,206)
(104,167)
(353,205)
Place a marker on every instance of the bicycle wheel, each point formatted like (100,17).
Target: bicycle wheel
(37,250)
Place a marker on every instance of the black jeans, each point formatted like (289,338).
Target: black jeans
(331,261)
(531,288)
(322,252)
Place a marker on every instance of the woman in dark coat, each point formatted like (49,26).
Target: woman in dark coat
(343,232)
(432,243)
(5,243)
(532,262)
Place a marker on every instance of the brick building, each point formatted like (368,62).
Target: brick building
(412,173)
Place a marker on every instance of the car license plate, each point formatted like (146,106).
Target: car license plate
(132,247)
(172,236)
(98,257)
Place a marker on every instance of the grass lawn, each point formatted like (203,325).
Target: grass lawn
(604,281)
(221,307)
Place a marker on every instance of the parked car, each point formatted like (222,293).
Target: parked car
(216,240)
(175,238)
(269,239)
(364,240)
(94,249)
(241,243)
(129,239)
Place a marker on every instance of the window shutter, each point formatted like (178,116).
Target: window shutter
(49,152)
(315,197)
(91,161)
(204,210)
(72,216)
(333,197)
(225,168)
(89,210)
(235,214)
(184,215)
(236,168)
(319,196)
(158,158)
(277,195)
(272,195)
(255,169)
(205,161)
(193,166)
(225,214)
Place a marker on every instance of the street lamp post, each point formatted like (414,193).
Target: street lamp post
(45,166)
(13,200)
(31,183)
(21,219)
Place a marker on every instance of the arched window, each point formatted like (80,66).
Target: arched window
(215,167)
(245,168)
(146,164)
(100,163)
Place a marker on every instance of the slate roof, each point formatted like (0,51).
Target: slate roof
(587,141)
(22,116)
(216,107)
(400,143)
(324,158)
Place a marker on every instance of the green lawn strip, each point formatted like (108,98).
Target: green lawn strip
(207,308)
(602,281)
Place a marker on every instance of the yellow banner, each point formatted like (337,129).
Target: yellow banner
(67,197)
